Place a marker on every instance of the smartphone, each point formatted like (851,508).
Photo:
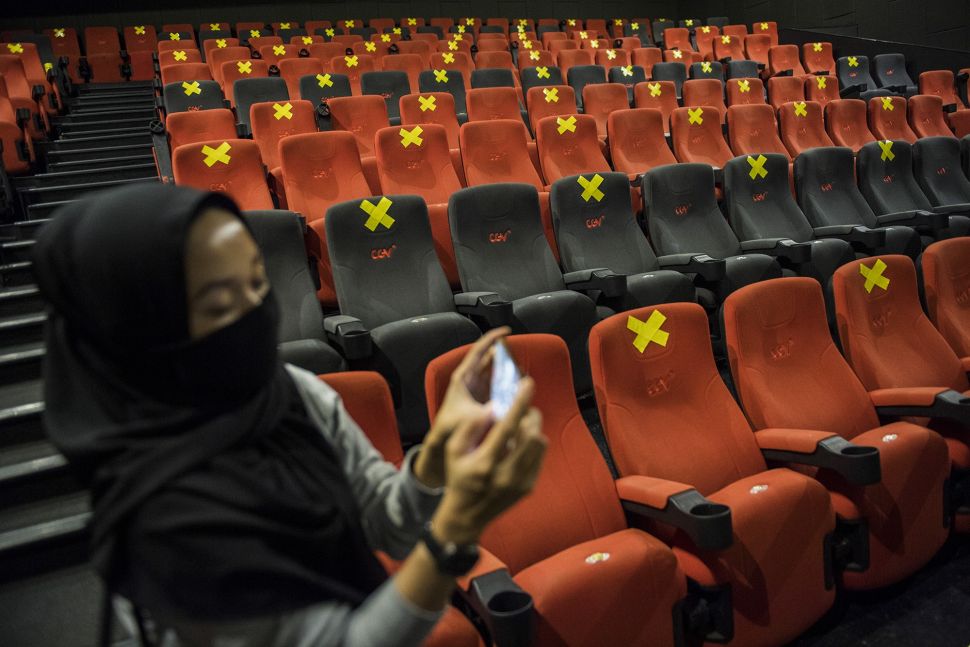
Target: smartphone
(505,381)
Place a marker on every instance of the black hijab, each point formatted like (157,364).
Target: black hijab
(215,497)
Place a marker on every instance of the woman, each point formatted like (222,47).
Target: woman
(234,500)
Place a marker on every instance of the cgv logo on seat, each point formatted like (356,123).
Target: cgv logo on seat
(941,170)
(881,320)
(782,351)
(682,209)
(595,223)
(660,385)
(826,187)
(499,236)
(888,179)
(382,253)
(759,197)
(963,296)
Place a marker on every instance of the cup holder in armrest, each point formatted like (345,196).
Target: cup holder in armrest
(507,611)
(506,603)
(710,510)
(857,464)
(708,524)
(858,450)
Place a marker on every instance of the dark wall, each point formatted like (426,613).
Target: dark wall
(119,13)
(939,23)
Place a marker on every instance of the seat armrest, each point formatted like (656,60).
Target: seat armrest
(953,209)
(349,335)
(785,248)
(711,269)
(493,597)
(788,72)
(601,279)
(915,218)
(928,402)
(718,175)
(950,107)
(487,305)
(708,524)
(37,92)
(962,77)
(965,361)
(859,465)
(868,239)
(821,72)
(242,131)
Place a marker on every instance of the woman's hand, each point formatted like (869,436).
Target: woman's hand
(466,399)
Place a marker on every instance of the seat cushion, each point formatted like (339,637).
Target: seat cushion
(313,355)
(619,589)
(659,286)
(744,270)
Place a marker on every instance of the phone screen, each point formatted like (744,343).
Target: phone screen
(505,381)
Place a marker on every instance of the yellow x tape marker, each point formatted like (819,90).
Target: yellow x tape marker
(427,103)
(817,47)
(853,61)
(705,30)
(285,110)
(706,67)
(441,76)
(552,95)
(694,116)
(15,48)
(174,36)
(757,167)
(566,124)
(764,26)
(594,44)
(458,36)
(820,81)
(617,21)
(610,54)
(800,110)
(527,44)
(744,85)
(323,80)
(396,30)
(58,33)
(221,43)
(279,50)
(412,136)
(572,22)
(385,38)
(348,24)
(448,57)
(887,103)
(461,29)
(655,89)
(412,22)
(648,331)
(284,25)
(627,71)
(308,40)
(453,45)
(534,55)
(370,47)
(520,29)
(48,67)
(140,30)
(542,72)
(887,151)
(329,32)
(689,22)
(469,21)
(191,88)
(678,54)
(254,33)
(213,155)
(635,26)
(214,26)
(591,187)
(244,67)
(725,39)
(874,275)
(523,22)
(584,35)
(179,55)
(351,61)
(377,214)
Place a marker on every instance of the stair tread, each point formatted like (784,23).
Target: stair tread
(40,519)
(28,459)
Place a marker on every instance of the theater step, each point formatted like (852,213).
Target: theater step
(41,203)
(21,362)
(104,152)
(19,301)
(104,141)
(16,250)
(18,273)
(87,176)
(31,473)
(22,329)
(21,410)
(86,165)
(21,231)
(107,131)
(102,115)
(76,128)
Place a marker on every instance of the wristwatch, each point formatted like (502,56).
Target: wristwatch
(450,558)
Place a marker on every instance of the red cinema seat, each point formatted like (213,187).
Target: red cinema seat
(888,119)
(696,135)
(753,130)
(705,92)
(363,116)
(230,166)
(926,116)
(946,279)
(802,127)
(847,123)
(637,142)
(745,91)
(658,95)
(431,108)
(569,146)
(818,58)
(822,89)
(783,89)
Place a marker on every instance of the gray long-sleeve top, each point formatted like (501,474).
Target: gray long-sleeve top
(395,506)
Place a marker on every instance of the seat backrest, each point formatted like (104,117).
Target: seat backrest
(676,72)
(499,59)
(660,27)
(677,38)
(320,88)
(445,80)
(279,235)
(353,65)
(293,69)
(756,47)
(410,64)
(187,96)
(242,70)
(574,499)
(741,69)
(186,72)
(320,170)
(704,38)
(579,76)
(768,27)
(547,101)
(936,165)
(628,76)
(786,368)
(696,136)
(782,58)
(784,89)
(101,40)
(926,116)
(847,123)
(886,337)
(500,244)
(647,57)
(140,38)
(664,408)
(827,192)
(659,95)
(888,119)
(758,200)
(375,260)
(682,213)
(946,278)
(367,398)
(361,115)
(613,57)
(199,126)
(176,56)
(601,99)
(598,229)
(752,130)
(416,160)
(705,92)
(496,151)
(637,142)
(568,58)
(251,91)
(279,52)
(492,103)
(231,166)
(390,85)
(802,127)
(745,92)
(272,121)
(432,108)
(884,170)
(258,42)
(536,58)
(569,146)
(940,83)
(729,46)
(540,76)
(492,78)
(818,57)
(822,89)
(707,70)
(325,52)
(216,57)
(890,70)
(854,70)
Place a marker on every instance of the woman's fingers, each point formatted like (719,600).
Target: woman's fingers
(496,443)
(470,431)
(474,355)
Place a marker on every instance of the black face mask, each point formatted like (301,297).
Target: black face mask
(222,369)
